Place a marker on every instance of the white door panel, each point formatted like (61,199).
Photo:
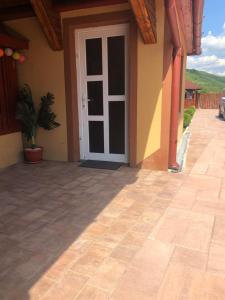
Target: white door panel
(102,68)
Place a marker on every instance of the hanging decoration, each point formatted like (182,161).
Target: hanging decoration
(8,52)
(22,58)
(16,55)
(12,53)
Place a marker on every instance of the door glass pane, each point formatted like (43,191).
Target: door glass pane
(95,98)
(94,56)
(96,136)
(117,127)
(116,65)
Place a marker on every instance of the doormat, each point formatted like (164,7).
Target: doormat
(98,164)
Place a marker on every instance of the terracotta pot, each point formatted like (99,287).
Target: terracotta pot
(33,156)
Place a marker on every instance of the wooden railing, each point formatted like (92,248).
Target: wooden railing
(208,101)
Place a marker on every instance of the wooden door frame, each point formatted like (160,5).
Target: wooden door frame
(69,26)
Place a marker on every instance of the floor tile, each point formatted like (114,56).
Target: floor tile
(185,228)
(146,271)
(67,289)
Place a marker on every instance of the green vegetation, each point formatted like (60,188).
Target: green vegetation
(31,118)
(188,114)
(210,83)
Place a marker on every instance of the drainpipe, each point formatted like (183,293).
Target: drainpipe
(173,18)
(175,110)
(197,18)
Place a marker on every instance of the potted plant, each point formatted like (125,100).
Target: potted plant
(31,119)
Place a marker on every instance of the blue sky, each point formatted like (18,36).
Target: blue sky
(212,58)
(214,16)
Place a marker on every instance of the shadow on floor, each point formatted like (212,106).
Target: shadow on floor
(43,211)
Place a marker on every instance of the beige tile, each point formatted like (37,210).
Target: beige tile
(95,230)
(213,287)
(200,182)
(105,220)
(184,199)
(89,262)
(40,288)
(134,239)
(210,205)
(68,288)
(80,246)
(61,265)
(219,229)
(185,228)
(34,214)
(92,293)
(200,168)
(190,258)
(216,263)
(143,278)
(124,254)
(108,274)
(184,282)
(181,282)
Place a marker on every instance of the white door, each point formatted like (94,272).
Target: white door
(102,68)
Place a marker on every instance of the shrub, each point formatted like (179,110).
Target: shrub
(187,119)
(190,111)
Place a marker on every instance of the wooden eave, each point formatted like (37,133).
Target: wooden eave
(145,14)
(185,11)
(50,22)
(48,15)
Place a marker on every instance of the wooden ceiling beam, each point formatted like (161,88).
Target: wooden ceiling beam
(50,22)
(145,14)
(81,4)
(16,12)
(22,8)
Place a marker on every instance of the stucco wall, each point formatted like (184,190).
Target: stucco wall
(150,72)
(44,71)
(10,149)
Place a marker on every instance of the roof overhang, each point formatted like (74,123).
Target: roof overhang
(185,18)
(191,16)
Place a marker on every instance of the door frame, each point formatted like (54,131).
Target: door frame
(80,35)
(72,112)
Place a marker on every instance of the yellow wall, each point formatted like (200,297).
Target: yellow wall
(10,149)
(44,71)
(150,72)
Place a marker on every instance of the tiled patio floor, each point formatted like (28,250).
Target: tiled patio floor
(71,233)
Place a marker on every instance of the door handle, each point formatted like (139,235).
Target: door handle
(84,101)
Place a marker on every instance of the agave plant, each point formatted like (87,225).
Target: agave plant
(30,118)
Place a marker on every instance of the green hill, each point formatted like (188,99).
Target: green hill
(210,83)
